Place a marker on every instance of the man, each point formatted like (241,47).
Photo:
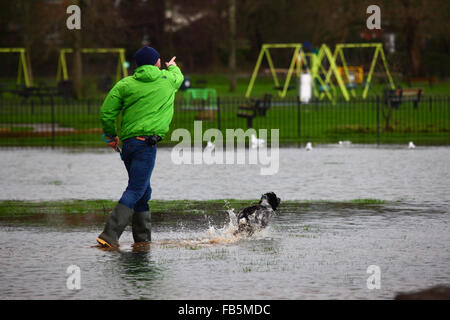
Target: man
(146,101)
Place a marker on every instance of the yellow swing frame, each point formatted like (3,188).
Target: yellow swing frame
(62,63)
(325,52)
(299,59)
(23,67)
(338,51)
(266,53)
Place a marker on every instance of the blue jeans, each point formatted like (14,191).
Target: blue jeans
(139,159)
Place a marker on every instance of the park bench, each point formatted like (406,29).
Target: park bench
(63,89)
(429,80)
(40,92)
(255,108)
(397,96)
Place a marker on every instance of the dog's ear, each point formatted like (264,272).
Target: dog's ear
(276,203)
(273,200)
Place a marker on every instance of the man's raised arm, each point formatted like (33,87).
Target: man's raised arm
(176,77)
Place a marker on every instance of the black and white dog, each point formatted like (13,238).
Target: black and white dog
(257,217)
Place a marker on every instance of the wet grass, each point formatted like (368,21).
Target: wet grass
(369,201)
(15,208)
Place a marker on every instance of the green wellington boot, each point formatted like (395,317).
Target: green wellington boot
(117,221)
(141,226)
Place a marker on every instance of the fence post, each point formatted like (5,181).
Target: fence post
(378,119)
(218,113)
(298,121)
(52,105)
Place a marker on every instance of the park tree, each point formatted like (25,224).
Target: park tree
(417,21)
(217,35)
(77,45)
(232,37)
(102,27)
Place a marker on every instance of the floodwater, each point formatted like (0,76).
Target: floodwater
(311,250)
(325,173)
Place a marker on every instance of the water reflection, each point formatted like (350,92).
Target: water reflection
(132,271)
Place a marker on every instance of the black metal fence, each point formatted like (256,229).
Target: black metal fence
(56,122)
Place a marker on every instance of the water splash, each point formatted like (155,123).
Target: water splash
(213,235)
(226,233)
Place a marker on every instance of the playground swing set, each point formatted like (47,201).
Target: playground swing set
(282,90)
(25,89)
(322,65)
(25,79)
(312,65)
(354,75)
(62,63)
(23,68)
(328,77)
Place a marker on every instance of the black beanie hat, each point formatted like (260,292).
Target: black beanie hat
(146,55)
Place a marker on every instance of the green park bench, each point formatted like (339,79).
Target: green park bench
(200,99)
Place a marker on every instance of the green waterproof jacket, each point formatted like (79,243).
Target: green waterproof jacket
(146,101)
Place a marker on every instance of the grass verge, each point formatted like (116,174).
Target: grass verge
(17,209)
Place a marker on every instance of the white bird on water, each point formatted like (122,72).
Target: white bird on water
(308,146)
(256,142)
(411,145)
(346,142)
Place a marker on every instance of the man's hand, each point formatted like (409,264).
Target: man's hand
(114,142)
(171,62)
